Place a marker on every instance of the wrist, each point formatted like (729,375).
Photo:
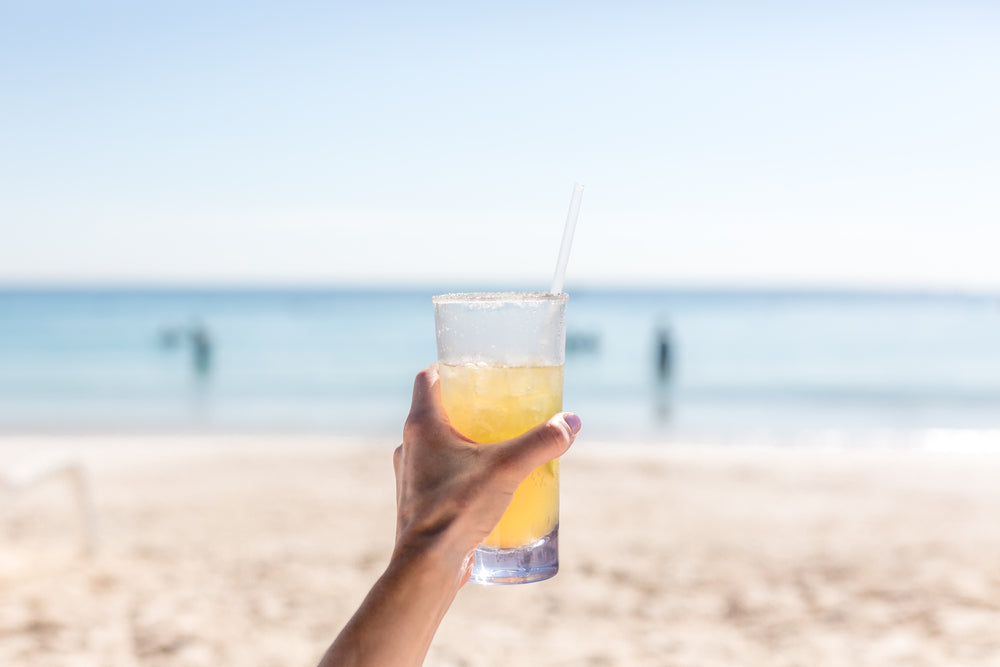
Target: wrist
(436,557)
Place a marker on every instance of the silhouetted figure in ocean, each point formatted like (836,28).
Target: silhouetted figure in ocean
(664,355)
(200,340)
(663,362)
(201,350)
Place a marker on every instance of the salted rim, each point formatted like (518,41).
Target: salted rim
(498,297)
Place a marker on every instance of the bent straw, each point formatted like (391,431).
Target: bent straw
(567,240)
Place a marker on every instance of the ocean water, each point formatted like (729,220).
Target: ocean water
(744,366)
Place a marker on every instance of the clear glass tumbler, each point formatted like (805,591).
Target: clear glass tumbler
(500,357)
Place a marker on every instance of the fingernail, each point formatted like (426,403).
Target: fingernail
(573,422)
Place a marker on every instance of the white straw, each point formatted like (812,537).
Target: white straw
(567,240)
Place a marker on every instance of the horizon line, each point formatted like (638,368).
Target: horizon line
(493,286)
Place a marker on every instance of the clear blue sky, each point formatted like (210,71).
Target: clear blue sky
(734,143)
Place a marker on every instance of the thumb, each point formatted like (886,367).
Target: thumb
(543,443)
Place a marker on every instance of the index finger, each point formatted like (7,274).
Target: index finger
(427,393)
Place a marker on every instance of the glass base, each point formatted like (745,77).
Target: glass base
(521,565)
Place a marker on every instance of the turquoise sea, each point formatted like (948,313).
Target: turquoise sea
(745,366)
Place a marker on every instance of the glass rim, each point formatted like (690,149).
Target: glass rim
(499,297)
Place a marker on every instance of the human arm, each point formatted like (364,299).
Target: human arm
(450,493)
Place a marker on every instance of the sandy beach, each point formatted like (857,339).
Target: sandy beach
(255,550)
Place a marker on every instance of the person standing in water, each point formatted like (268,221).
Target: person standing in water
(201,350)
(664,355)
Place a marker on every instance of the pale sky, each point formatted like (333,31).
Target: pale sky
(836,144)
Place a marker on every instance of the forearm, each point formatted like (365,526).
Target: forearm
(397,620)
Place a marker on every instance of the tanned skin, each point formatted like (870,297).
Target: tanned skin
(450,493)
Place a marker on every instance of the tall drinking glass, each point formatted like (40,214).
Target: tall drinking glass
(500,358)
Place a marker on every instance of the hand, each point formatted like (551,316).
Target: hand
(454,491)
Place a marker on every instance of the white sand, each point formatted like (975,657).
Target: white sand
(255,550)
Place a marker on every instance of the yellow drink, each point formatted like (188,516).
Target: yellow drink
(493,403)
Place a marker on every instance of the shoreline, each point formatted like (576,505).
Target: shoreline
(960,440)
